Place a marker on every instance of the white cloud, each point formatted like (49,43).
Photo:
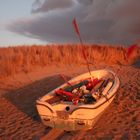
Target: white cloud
(110,21)
(49,5)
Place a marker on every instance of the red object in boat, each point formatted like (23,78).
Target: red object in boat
(92,83)
(69,95)
(75,101)
(65,93)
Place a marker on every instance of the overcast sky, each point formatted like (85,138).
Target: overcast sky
(50,21)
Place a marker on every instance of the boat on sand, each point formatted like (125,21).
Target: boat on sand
(80,102)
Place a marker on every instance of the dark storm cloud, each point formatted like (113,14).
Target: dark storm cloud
(86,2)
(48,5)
(101,21)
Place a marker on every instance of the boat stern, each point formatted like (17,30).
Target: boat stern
(61,119)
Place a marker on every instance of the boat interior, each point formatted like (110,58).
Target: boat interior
(88,90)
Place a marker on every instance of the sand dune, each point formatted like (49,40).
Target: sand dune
(14,60)
(27,73)
(19,118)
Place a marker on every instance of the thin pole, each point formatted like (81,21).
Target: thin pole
(83,47)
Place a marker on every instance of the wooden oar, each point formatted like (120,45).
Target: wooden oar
(53,134)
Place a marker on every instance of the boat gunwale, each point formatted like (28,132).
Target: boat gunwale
(81,106)
(85,106)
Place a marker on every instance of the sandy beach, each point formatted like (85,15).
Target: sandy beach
(19,118)
(46,43)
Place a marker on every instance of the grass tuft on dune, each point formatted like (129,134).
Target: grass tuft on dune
(27,58)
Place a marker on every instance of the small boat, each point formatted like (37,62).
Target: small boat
(80,102)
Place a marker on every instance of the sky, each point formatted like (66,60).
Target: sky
(11,11)
(50,21)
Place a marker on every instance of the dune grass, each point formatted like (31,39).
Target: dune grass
(26,58)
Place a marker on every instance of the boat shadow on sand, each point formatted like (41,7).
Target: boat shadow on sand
(137,64)
(24,98)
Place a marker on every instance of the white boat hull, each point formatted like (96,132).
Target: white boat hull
(79,116)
